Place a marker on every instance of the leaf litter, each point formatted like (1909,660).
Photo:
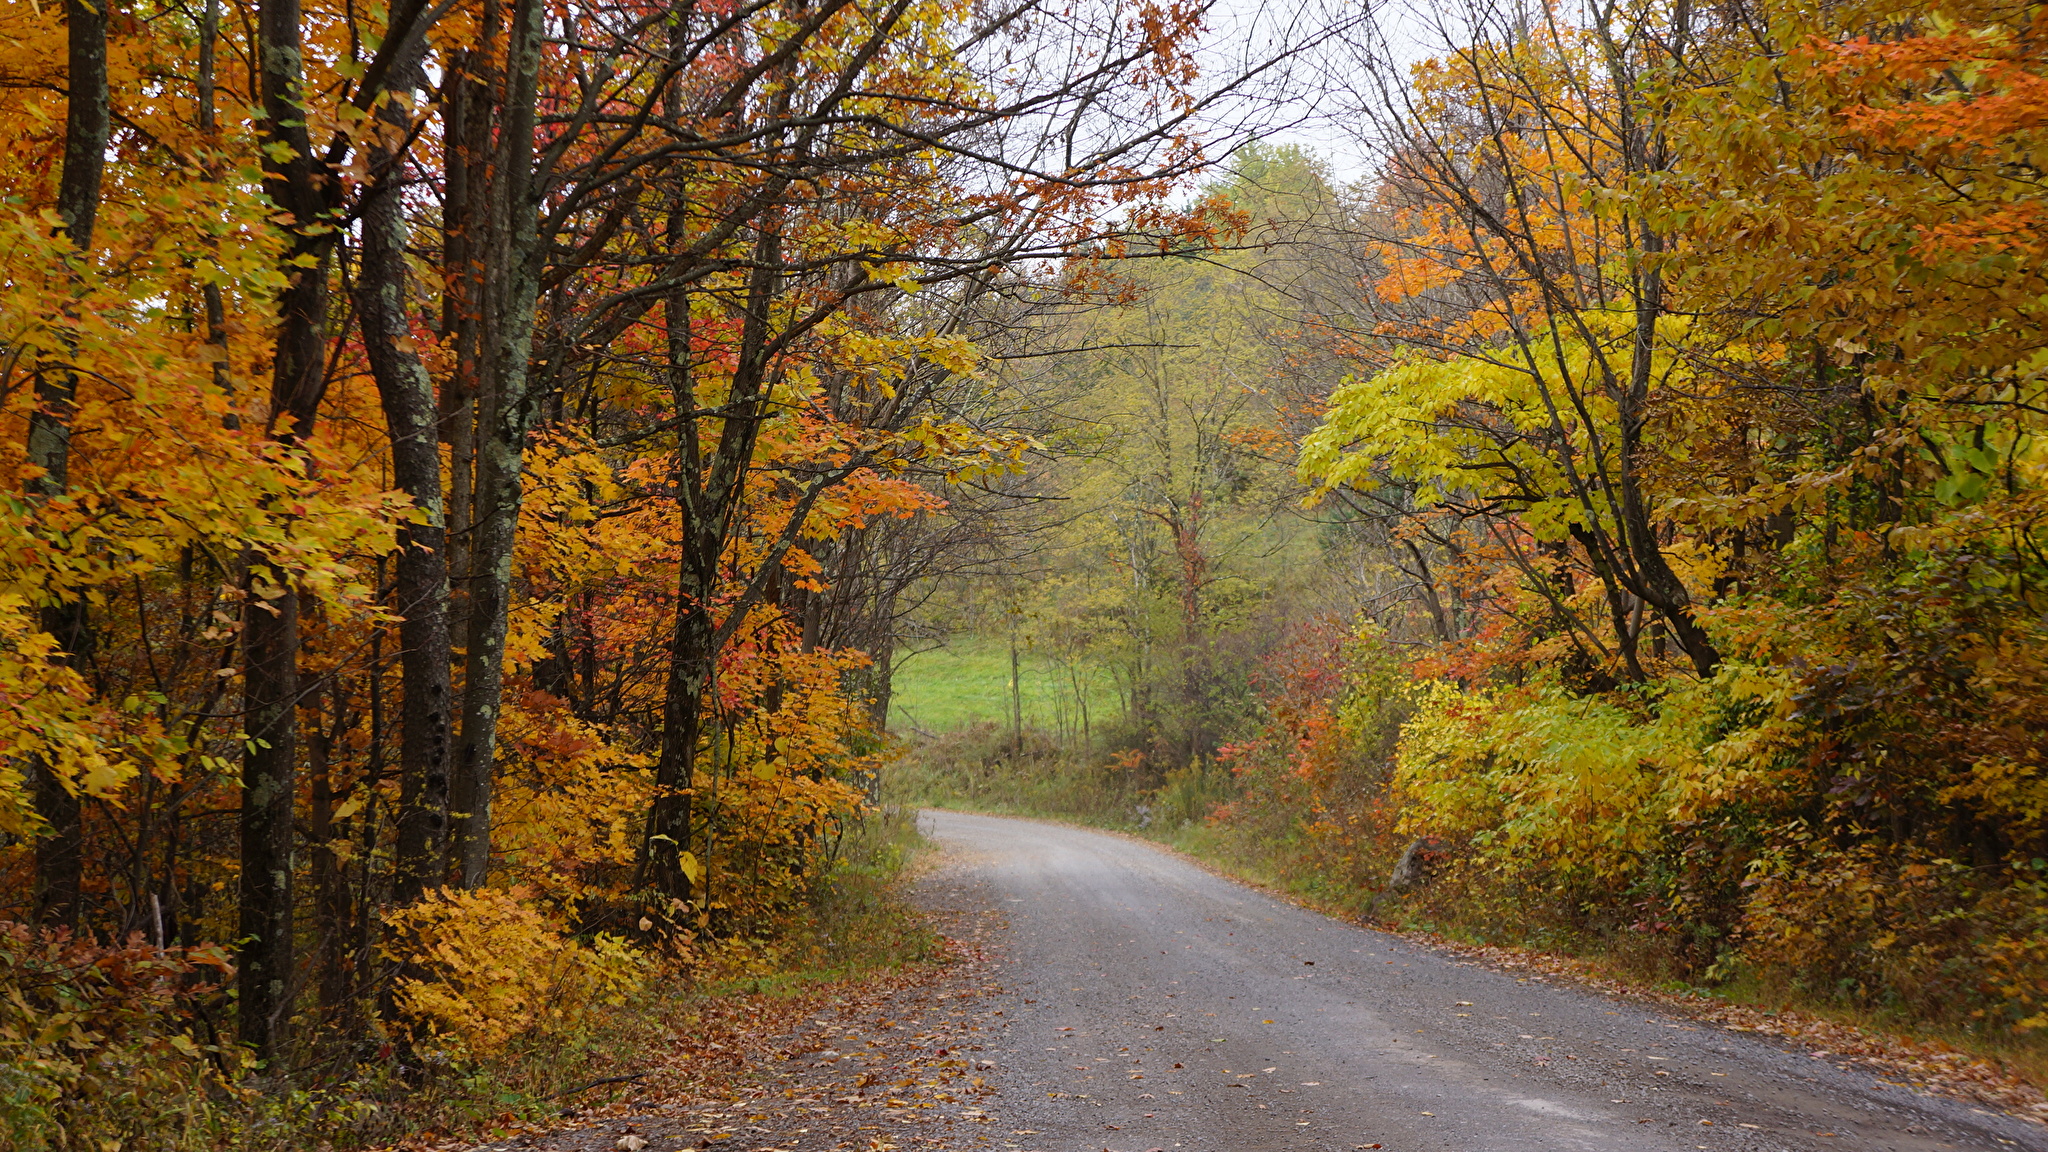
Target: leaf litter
(888,1060)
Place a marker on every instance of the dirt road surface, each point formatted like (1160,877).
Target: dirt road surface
(1148,1004)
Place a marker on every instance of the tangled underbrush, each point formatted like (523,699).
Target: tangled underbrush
(1851,816)
(1903,929)
(113,1046)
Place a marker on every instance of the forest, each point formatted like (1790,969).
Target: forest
(501,490)
(1620,491)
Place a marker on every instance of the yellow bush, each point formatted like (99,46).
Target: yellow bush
(1684,818)
(1898,925)
(1533,777)
(492,967)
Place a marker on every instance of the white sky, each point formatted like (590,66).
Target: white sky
(1315,106)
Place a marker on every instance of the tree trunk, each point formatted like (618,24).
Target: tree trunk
(707,498)
(270,703)
(87,120)
(882,679)
(209,293)
(667,839)
(269,781)
(420,579)
(1439,619)
(60,856)
(293,181)
(1016,693)
(667,842)
(511,293)
(330,880)
(466,123)
(1658,584)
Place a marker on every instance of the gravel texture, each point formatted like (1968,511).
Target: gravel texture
(1149,1004)
(1103,995)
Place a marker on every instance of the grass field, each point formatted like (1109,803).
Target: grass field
(968,681)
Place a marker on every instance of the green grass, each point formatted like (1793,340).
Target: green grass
(968,682)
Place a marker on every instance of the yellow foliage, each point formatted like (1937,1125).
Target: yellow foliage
(1539,778)
(2015,793)
(777,782)
(496,968)
(46,713)
(1929,930)
(564,822)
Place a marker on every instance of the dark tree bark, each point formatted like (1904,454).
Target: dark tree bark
(269,780)
(208,121)
(466,128)
(87,120)
(60,855)
(308,194)
(1658,584)
(668,837)
(331,897)
(511,291)
(420,584)
(293,181)
(708,487)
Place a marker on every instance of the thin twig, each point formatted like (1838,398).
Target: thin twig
(600,1083)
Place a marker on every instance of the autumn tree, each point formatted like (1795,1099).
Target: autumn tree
(1656,286)
(87,122)
(764,265)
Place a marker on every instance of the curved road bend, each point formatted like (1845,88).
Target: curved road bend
(1152,1005)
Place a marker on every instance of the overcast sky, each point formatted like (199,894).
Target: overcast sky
(1315,105)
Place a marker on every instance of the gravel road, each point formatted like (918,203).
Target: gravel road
(1151,1005)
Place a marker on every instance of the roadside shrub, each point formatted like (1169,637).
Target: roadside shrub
(493,970)
(1762,820)
(1897,927)
(1534,779)
(1189,795)
(112,1046)
(986,767)
(1308,800)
